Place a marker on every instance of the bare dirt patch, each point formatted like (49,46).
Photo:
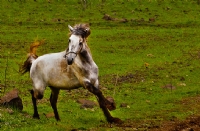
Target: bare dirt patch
(191,123)
(137,77)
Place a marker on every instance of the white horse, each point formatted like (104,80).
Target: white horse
(66,70)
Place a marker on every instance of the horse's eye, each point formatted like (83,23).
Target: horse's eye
(69,41)
(81,43)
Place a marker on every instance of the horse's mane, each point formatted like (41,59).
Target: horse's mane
(82,30)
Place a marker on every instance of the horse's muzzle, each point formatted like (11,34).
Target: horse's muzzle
(70,61)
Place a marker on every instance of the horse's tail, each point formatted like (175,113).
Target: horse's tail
(31,57)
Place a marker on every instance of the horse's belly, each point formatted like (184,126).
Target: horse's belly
(63,82)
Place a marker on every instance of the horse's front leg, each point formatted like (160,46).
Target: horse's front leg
(53,100)
(34,101)
(103,103)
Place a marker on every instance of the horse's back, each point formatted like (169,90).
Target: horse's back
(52,70)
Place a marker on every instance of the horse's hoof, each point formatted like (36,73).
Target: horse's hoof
(36,117)
(115,120)
(58,119)
(31,91)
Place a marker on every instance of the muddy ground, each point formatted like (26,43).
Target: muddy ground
(192,123)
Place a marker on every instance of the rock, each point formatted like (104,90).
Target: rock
(12,99)
(86,103)
(124,20)
(108,17)
(111,99)
(49,115)
(123,105)
(113,104)
(169,86)
(151,19)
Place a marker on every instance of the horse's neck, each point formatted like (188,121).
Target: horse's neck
(85,66)
(85,56)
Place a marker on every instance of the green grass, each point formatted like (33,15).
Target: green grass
(169,47)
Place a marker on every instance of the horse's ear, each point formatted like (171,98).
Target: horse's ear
(70,28)
(87,31)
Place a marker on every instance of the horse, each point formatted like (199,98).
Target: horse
(66,70)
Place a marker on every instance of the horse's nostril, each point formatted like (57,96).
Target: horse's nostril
(69,61)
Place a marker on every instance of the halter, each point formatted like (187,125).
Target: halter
(76,53)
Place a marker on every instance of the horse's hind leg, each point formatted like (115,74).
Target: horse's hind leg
(102,103)
(53,100)
(34,100)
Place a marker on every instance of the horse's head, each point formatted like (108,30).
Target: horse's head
(77,38)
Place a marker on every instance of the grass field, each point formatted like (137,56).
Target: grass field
(145,47)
